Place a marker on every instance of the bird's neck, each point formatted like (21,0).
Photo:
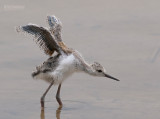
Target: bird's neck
(83,65)
(89,69)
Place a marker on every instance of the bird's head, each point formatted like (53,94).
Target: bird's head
(99,70)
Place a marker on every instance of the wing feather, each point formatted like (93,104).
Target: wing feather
(42,37)
(55,27)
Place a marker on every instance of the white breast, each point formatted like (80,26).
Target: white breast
(66,68)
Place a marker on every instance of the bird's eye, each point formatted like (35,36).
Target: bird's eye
(99,71)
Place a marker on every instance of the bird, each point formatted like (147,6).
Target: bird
(62,61)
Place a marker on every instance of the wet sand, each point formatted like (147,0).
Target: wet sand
(121,35)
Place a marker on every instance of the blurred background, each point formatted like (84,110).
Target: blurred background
(123,35)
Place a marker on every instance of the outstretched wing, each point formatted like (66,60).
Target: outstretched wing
(55,27)
(42,37)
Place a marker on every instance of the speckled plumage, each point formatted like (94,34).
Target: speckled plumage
(67,61)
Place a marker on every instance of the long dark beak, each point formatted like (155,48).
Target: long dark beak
(108,76)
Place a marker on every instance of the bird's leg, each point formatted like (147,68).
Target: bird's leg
(43,96)
(58,95)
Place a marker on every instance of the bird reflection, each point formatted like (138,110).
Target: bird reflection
(42,114)
(58,112)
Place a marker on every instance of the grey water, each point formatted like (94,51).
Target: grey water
(122,35)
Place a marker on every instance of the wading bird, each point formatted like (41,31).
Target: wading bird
(62,64)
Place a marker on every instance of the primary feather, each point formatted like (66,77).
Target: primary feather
(55,27)
(43,37)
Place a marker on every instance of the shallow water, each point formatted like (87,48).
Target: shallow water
(121,35)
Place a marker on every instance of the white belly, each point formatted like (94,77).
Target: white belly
(65,68)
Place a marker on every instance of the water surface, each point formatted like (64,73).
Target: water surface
(120,34)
